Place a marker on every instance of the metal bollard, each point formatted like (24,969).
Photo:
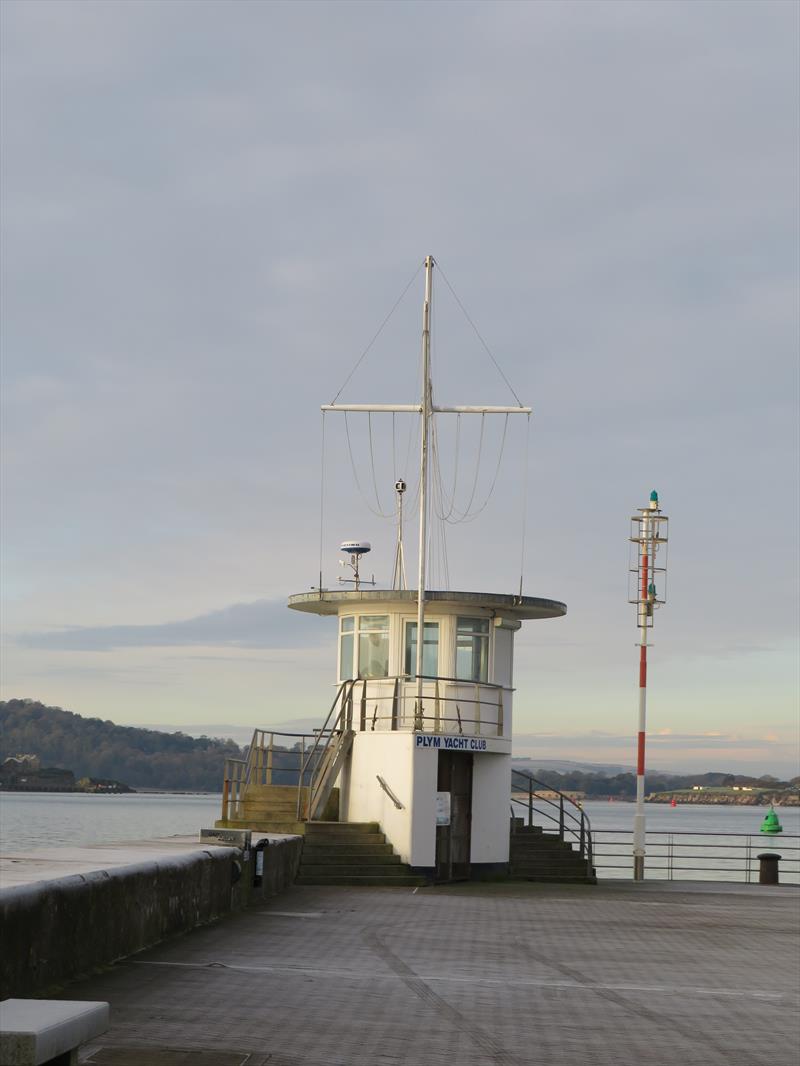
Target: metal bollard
(768,868)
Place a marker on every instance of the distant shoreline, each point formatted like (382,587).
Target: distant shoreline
(84,792)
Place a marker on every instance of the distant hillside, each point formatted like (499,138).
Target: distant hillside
(90,747)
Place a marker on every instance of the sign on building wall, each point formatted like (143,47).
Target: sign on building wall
(460,743)
(443,808)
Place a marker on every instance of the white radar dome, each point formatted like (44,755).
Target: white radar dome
(355,547)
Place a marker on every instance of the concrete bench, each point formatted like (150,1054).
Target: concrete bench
(37,1031)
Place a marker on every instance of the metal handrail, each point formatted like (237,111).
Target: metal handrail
(317,755)
(662,854)
(262,762)
(581,830)
(417,718)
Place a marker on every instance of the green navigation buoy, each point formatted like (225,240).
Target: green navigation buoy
(771,824)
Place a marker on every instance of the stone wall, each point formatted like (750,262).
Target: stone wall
(54,931)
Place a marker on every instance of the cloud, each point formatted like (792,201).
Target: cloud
(663,739)
(216,237)
(261,624)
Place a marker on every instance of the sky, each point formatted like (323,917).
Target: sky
(209,209)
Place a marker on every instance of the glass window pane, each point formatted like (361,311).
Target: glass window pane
(346,656)
(472,649)
(348,624)
(373,646)
(430,649)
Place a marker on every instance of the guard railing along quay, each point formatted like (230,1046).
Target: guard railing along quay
(537,804)
(685,855)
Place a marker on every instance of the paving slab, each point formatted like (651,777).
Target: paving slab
(617,974)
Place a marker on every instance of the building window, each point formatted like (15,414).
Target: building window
(472,649)
(346,646)
(430,649)
(373,645)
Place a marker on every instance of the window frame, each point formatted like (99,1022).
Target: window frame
(344,633)
(484,636)
(363,629)
(411,673)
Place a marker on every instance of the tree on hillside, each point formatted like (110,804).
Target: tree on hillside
(91,747)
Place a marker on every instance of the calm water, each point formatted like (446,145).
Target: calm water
(690,817)
(673,850)
(35,820)
(31,820)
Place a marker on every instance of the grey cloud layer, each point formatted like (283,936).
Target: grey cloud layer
(209,208)
(263,624)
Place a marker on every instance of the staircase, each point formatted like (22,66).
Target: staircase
(539,856)
(273,809)
(351,853)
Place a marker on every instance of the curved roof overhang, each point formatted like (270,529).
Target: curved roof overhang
(327,602)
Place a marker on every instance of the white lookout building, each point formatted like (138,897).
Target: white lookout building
(415,754)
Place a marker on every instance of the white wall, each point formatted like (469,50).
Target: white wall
(411,775)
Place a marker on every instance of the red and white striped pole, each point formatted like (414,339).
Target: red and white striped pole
(650,529)
(639,817)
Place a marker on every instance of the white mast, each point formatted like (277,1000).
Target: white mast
(423,472)
(426,409)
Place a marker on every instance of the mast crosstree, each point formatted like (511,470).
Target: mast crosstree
(427,409)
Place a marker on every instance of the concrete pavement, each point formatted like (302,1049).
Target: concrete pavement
(617,974)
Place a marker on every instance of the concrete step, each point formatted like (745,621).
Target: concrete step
(407,881)
(563,879)
(560,863)
(345,827)
(539,842)
(263,825)
(549,871)
(548,857)
(312,856)
(344,851)
(351,839)
(550,854)
(272,790)
(348,870)
(263,810)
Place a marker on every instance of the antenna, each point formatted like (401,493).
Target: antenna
(399,572)
(646,572)
(355,549)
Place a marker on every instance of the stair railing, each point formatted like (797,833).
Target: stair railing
(232,788)
(573,825)
(272,757)
(320,753)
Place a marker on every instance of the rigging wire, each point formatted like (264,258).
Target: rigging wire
(372,463)
(438,471)
(470,516)
(394,455)
(477,469)
(378,333)
(380,513)
(478,335)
